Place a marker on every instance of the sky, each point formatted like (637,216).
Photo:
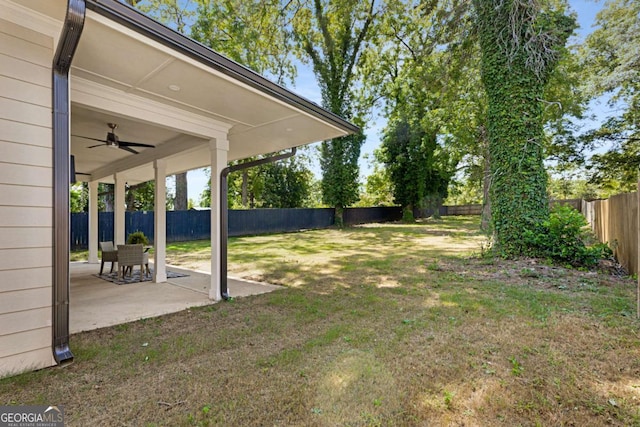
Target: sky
(306,86)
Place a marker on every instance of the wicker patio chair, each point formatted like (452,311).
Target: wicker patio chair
(109,254)
(130,256)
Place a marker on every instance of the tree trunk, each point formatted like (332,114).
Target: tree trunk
(106,196)
(245,184)
(407,214)
(181,203)
(130,198)
(339,217)
(519,201)
(485,223)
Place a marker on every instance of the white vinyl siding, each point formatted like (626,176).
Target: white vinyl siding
(26,199)
(26,279)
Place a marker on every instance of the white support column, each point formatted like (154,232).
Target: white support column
(219,149)
(118,210)
(93,222)
(160,222)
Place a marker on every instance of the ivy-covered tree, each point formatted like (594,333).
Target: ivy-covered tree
(332,35)
(520,46)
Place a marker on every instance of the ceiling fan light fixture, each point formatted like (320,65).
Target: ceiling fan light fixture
(113,141)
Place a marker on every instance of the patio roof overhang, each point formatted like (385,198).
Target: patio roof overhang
(169,91)
(196,108)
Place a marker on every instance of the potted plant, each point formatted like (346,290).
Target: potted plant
(137,237)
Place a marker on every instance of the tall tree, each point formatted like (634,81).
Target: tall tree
(333,35)
(251,32)
(255,33)
(611,60)
(520,46)
(409,153)
(424,71)
(286,184)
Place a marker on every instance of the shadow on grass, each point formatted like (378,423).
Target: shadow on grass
(381,325)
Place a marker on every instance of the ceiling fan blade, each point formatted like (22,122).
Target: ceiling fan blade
(131,150)
(134,144)
(86,137)
(99,145)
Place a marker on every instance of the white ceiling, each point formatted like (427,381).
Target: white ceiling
(125,65)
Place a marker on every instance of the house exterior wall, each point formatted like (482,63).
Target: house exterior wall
(26,197)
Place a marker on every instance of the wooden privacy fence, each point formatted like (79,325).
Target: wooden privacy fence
(615,221)
(461,210)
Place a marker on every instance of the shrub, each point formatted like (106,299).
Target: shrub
(562,239)
(137,237)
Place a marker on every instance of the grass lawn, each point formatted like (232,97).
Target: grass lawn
(381,325)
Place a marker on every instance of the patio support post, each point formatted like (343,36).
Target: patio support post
(93,222)
(160,222)
(219,149)
(118,210)
(224,211)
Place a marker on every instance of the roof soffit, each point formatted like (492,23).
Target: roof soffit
(141,66)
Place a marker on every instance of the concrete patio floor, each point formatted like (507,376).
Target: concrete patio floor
(97,303)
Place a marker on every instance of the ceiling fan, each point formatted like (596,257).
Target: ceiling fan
(112,140)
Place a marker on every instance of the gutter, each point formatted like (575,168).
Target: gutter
(142,24)
(224,211)
(67,44)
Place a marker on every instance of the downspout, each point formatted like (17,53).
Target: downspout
(69,38)
(224,211)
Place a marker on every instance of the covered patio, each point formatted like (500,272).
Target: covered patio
(150,103)
(177,106)
(97,303)
(99,86)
